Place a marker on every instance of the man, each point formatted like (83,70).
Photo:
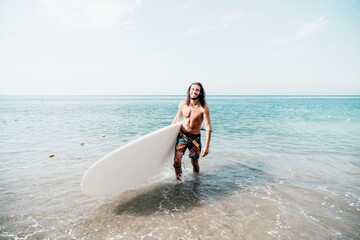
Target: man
(194,110)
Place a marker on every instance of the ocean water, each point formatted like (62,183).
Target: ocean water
(279,167)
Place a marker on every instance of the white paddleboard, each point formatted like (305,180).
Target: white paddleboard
(131,164)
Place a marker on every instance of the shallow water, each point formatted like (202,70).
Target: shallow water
(279,168)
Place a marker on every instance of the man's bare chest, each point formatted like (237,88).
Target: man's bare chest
(192,112)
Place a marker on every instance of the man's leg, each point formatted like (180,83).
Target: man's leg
(195,153)
(196,167)
(177,165)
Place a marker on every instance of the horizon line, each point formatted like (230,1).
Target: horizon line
(172,95)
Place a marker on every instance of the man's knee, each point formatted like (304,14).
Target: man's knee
(178,157)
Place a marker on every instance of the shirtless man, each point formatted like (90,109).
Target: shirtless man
(194,110)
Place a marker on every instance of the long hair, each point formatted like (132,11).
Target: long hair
(202,96)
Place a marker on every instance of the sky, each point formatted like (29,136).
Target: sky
(159,47)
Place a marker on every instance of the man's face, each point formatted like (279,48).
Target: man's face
(194,92)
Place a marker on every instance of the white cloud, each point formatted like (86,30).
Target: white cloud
(89,13)
(295,44)
(150,59)
(305,30)
(233,16)
(296,49)
(205,28)
(163,54)
(199,29)
(309,27)
(186,5)
(126,26)
(208,28)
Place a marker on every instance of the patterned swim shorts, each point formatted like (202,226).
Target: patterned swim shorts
(189,141)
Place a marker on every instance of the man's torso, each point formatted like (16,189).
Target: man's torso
(193,117)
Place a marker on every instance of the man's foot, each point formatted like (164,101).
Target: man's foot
(179,179)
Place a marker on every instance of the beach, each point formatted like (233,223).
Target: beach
(279,167)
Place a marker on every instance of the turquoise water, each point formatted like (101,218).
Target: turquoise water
(279,167)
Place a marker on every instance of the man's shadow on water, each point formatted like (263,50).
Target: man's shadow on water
(175,197)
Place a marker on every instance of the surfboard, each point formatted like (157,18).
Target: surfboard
(131,164)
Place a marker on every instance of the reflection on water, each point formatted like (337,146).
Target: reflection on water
(174,197)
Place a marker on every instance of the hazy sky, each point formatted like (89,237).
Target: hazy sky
(160,47)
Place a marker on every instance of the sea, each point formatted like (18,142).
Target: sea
(279,167)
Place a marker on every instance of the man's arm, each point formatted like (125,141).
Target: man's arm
(207,124)
(179,113)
